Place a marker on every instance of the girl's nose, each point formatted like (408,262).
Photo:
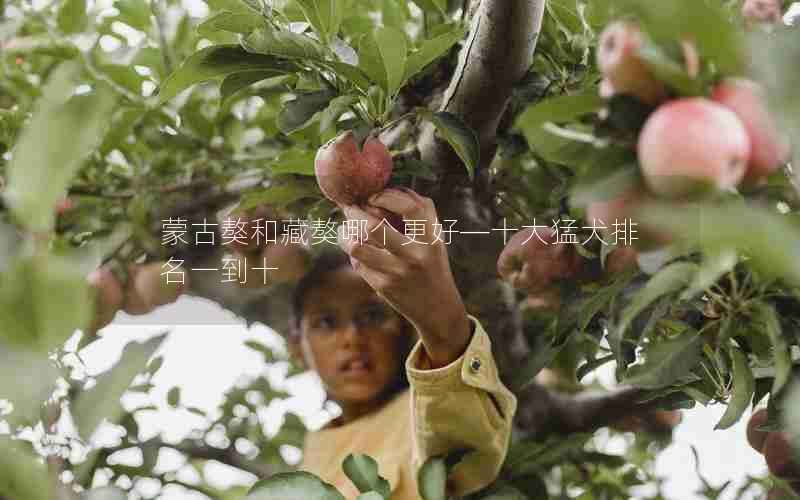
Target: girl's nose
(351,333)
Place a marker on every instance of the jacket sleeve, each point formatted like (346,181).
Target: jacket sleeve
(461,406)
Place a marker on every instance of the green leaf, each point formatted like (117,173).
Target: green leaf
(337,107)
(382,56)
(125,76)
(432,49)
(325,16)
(725,44)
(595,302)
(72,16)
(432,479)
(155,364)
(713,267)
(535,362)
(670,71)
(103,400)
(533,454)
(22,474)
(196,411)
(27,379)
(363,472)
(218,61)
(235,82)
(610,177)
(744,386)
(283,43)
(104,493)
(240,6)
(353,74)
(234,22)
(561,109)
(370,495)
(505,492)
(566,146)
(768,317)
(43,300)
(667,361)
(436,6)
(409,168)
(668,280)
(40,170)
(293,486)
(281,194)
(294,161)
(773,56)
(174,397)
(394,13)
(269,356)
(135,13)
(772,242)
(462,138)
(297,113)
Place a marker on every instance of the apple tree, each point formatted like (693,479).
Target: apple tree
(649,142)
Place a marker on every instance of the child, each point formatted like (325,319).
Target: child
(356,325)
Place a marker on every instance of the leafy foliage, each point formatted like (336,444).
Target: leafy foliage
(712,321)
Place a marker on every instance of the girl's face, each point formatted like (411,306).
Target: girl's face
(355,342)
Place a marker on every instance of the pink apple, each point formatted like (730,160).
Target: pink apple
(690,141)
(770,148)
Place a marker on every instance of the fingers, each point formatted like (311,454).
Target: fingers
(418,211)
(399,201)
(364,254)
(377,231)
(404,202)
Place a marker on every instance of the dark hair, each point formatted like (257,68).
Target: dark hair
(325,263)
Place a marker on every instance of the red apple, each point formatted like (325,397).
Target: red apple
(147,288)
(756,437)
(690,141)
(780,456)
(762,11)
(151,282)
(622,259)
(533,263)
(619,61)
(108,297)
(135,303)
(769,148)
(63,205)
(348,176)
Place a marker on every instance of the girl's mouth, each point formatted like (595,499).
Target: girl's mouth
(356,365)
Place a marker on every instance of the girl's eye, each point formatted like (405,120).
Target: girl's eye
(373,316)
(326,322)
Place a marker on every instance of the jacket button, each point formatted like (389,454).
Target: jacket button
(475,364)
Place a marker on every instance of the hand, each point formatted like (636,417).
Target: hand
(413,276)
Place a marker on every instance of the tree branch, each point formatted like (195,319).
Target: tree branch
(497,54)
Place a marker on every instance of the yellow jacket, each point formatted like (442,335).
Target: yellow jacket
(460,406)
